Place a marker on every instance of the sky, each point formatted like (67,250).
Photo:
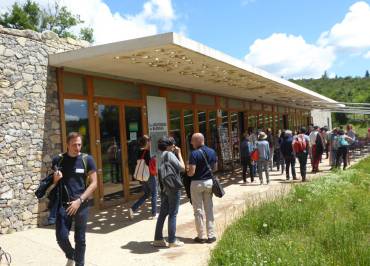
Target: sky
(289,38)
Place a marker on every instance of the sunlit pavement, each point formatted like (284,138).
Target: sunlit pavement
(114,240)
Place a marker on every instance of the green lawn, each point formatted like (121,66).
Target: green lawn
(324,222)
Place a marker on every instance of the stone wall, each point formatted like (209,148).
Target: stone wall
(29,121)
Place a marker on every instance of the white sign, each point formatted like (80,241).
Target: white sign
(157,121)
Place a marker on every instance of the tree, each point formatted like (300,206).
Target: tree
(367,75)
(56,18)
(325,75)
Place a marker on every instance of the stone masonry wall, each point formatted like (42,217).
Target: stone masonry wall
(29,121)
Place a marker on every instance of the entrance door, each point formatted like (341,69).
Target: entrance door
(134,131)
(119,128)
(109,150)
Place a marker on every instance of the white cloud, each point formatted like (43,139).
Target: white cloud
(290,56)
(367,55)
(353,32)
(247,2)
(156,16)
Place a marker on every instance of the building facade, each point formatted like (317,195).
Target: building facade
(113,94)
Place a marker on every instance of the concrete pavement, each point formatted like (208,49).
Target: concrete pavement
(114,240)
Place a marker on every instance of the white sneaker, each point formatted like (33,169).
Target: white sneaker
(70,262)
(160,243)
(130,214)
(176,244)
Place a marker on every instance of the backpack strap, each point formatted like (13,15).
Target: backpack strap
(84,161)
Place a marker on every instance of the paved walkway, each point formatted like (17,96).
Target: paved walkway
(114,240)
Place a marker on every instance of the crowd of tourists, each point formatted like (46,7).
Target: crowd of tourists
(261,151)
(71,184)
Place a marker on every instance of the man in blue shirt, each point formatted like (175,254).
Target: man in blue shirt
(201,187)
(76,180)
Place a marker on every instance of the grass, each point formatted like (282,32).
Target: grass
(324,222)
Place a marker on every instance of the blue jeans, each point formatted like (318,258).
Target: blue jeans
(63,226)
(53,212)
(170,202)
(149,187)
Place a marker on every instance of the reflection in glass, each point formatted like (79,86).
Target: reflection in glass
(175,126)
(252,122)
(134,131)
(202,122)
(189,129)
(76,119)
(110,143)
(213,130)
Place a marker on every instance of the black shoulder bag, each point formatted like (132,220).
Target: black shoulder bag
(217,188)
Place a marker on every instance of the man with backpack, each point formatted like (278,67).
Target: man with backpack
(288,153)
(301,148)
(343,144)
(75,180)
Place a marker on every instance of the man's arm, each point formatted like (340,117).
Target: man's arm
(92,186)
(191,170)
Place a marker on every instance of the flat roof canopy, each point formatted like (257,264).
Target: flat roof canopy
(171,60)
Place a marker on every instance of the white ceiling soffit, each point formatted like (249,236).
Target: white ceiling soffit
(173,60)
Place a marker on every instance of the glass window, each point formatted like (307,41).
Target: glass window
(281,109)
(179,97)
(152,91)
(205,99)
(115,89)
(223,102)
(202,122)
(75,84)
(252,121)
(267,108)
(237,104)
(76,119)
(189,129)
(175,126)
(256,106)
(213,130)
(234,117)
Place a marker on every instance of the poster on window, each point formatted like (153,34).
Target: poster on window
(157,121)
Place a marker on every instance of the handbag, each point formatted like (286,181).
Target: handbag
(141,170)
(153,167)
(217,188)
(254,155)
(169,177)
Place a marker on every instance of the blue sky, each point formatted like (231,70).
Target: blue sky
(290,38)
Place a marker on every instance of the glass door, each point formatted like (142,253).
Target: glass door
(134,131)
(109,150)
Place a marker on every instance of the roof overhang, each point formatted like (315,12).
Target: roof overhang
(172,60)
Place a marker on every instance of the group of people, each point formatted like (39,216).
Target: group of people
(74,180)
(260,151)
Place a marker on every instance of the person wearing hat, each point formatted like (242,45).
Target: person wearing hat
(170,197)
(263,156)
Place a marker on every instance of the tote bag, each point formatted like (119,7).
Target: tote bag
(141,170)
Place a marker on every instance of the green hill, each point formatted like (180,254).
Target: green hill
(348,89)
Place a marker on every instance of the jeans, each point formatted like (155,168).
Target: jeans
(290,162)
(63,226)
(245,164)
(263,166)
(53,212)
(302,158)
(170,202)
(149,187)
(201,194)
